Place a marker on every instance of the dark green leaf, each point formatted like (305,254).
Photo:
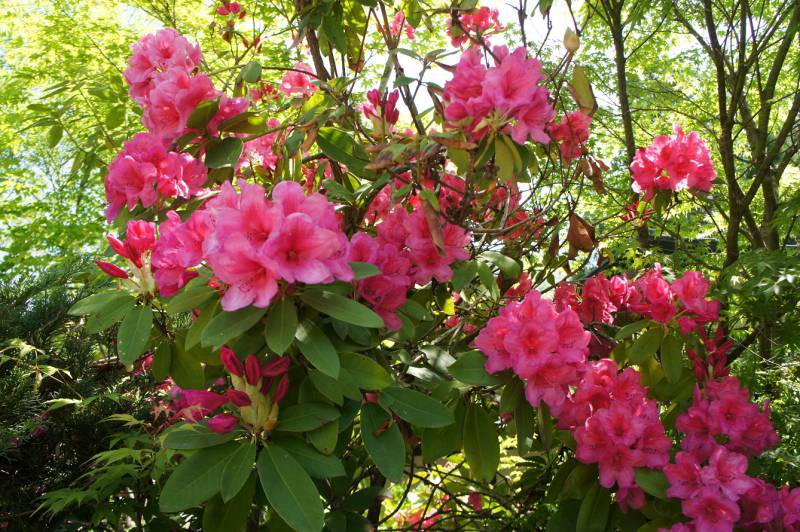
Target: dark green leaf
(224,152)
(327,386)
(652,482)
(281,325)
(481,446)
(646,345)
(134,334)
(317,348)
(306,416)
(340,146)
(342,308)
(196,479)
(507,265)
(232,516)
(672,356)
(289,490)
(470,368)
(367,374)
(228,325)
(631,329)
(384,444)
(593,514)
(416,408)
(237,470)
(317,465)
(203,114)
(189,299)
(363,270)
(193,436)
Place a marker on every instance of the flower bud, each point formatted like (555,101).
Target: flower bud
(111,269)
(281,389)
(119,247)
(231,361)
(571,41)
(266,385)
(222,423)
(276,367)
(252,369)
(238,397)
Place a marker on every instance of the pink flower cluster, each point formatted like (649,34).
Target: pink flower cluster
(673,163)
(297,82)
(616,426)
(572,132)
(407,253)
(252,243)
(506,97)
(476,23)
(544,347)
(650,296)
(145,171)
(265,151)
(398,24)
(381,111)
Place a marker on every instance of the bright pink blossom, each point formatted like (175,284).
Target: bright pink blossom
(399,23)
(222,423)
(572,132)
(297,82)
(172,101)
(476,23)
(673,163)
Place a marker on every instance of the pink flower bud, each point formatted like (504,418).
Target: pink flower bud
(222,10)
(252,369)
(111,269)
(231,362)
(370,397)
(238,397)
(266,385)
(119,247)
(281,389)
(222,423)
(276,367)
(141,237)
(475,501)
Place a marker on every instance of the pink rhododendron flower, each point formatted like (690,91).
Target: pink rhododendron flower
(711,511)
(673,163)
(399,23)
(155,54)
(760,506)
(476,23)
(172,101)
(222,423)
(506,97)
(297,82)
(572,132)
(265,151)
(790,503)
(194,405)
(178,248)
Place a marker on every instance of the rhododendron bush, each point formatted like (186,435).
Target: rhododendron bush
(347,290)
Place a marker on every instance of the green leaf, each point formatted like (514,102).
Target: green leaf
(251,72)
(325,437)
(134,334)
(185,370)
(189,299)
(237,470)
(317,348)
(327,386)
(231,516)
(631,329)
(196,479)
(332,26)
(384,444)
(195,332)
(281,325)
(481,446)
(306,416)
(340,146)
(193,436)
(289,490)
(504,159)
(249,122)
(363,270)
(367,374)
(317,465)
(653,482)
(95,302)
(463,274)
(228,325)
(112,312)
(507,265)
(470,368)
(342,308)
(416,408)
(671,356)
(225,152)
(524,422)
(581,90)
(593,514)
(646,345)
(54,135)
(203,114)
(162,360)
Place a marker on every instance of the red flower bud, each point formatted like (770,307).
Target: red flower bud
(119,247)
(370,397)
(111,269)
(276,367)
(266,385)
(252,369)
(238,397)
(222,423)
(231,361)
(281,389)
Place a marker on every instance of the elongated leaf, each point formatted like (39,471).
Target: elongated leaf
(113,312)
(416,408)
(317,465)
(306,416)
(384,444)
(228,325)
(94,302)
(237,470)
(653,482)
(340,146)
(189,299)
(327,386)
(646,345)
(194,436)
(325,438)
(481,446)
(631,329)
(281,325)
(231,516)
(196,479)
(202,114)
(224,153)
(470,368)
(317,348)
(289,490)
(367,374)
(195,332)
(162,360)
(671,356)
(362,270)
(507,265)
(593,514)
(134,334)
(342,308)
